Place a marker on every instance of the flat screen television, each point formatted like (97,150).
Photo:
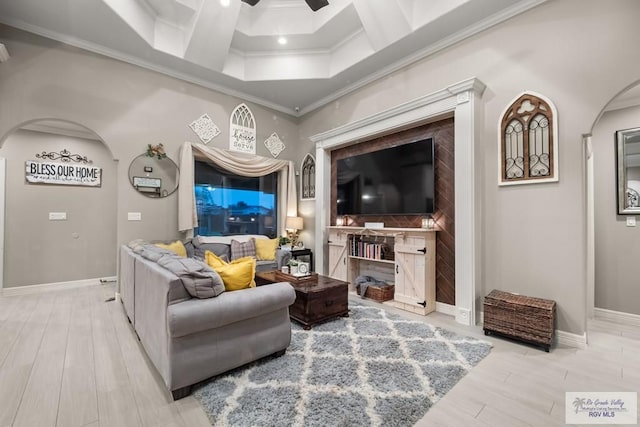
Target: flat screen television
(395,180)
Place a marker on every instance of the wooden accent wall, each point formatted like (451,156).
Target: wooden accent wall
(443,135)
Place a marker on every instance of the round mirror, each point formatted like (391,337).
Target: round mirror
(152,176)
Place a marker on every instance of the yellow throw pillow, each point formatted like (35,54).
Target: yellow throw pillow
(213,260)
(266,249)
(176,247)
(237,274)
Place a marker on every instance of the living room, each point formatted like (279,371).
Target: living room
(543,240)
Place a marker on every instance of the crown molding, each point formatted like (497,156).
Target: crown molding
(432,49)
(110,53)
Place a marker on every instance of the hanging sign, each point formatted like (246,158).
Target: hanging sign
(242,130)
(62,174)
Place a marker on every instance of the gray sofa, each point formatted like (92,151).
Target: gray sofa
(191,339)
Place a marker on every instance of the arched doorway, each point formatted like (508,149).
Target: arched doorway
(612,246)
(61,228)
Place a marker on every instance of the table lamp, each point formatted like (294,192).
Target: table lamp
(293,225)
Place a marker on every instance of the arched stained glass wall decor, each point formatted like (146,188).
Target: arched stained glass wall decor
(529,141)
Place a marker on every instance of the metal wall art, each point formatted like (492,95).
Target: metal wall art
(274,144)
(64,156)
(308,178)
(529,141)
(205,128)
(242,130)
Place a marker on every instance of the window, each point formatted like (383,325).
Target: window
(528,141)
(229,204)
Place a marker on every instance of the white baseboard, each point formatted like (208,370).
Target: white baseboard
(48,287)
(446,308)
(616,317)
(571,340)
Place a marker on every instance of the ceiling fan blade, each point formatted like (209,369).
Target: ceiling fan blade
(251,2)
(316,4)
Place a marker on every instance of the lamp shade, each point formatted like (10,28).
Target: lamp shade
(293,223)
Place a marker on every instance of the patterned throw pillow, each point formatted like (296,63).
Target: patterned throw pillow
(242,250)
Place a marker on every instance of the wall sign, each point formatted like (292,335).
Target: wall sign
(274,144)
(242,130)
(205,128)
(62,174)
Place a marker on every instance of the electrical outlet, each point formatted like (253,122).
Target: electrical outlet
(631,221)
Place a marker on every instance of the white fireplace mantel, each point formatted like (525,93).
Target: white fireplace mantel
(463,101)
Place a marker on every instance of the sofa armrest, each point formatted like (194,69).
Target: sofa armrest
(197,315)
(282,256)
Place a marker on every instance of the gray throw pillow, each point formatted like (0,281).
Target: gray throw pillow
(221,249)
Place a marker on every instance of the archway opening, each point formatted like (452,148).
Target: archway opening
(60,204)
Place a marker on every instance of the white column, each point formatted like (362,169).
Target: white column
(591,227)
(468,199)
(323,206)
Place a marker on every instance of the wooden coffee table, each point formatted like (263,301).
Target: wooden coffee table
(316,301)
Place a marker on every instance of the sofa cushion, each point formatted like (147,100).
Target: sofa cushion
(266,249)
(243,249)
(193,316)
(176,247)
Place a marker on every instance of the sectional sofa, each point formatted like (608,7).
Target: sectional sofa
(191,339)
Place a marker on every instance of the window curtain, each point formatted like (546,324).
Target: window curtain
(239,164)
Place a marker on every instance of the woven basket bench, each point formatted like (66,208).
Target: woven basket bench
(520,317)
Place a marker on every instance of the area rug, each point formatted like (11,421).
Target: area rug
(373,368)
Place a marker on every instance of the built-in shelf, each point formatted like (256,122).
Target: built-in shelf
(411,268)
(386,261)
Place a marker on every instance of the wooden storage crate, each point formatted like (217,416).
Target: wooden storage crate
(524,318)
(378,293)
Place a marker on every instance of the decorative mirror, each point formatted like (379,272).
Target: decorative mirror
(153,176)
(628,179)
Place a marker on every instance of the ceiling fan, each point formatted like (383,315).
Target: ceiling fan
(315,5)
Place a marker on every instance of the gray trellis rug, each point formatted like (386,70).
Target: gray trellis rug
(371,369)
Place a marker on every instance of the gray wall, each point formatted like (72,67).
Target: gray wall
(534,236)
(127,107)
(38,250)
(617,247)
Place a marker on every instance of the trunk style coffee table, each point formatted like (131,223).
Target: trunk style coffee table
(318,298)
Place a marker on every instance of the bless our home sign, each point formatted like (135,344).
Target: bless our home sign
(63,174)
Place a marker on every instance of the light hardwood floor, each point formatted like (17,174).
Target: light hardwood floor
(69,358)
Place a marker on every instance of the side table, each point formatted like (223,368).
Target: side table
(295,253)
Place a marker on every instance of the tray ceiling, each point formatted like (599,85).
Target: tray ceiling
(235,49)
